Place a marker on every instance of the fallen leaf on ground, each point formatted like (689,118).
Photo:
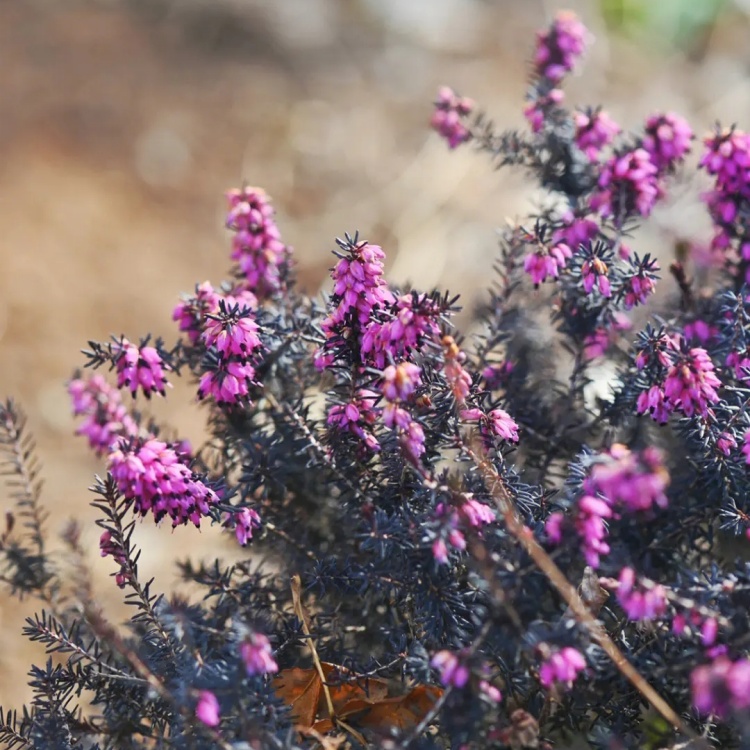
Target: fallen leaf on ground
(365,700)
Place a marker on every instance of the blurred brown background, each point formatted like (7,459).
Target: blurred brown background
(122,123)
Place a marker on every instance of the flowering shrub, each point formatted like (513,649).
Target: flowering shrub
(451,543)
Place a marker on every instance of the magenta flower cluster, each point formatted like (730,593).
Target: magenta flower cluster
(453,672)
(546,263)
(140,367)
(640,602)
(257,655)
(667,140)
(721,687)
(628,186)
(449,117)
(359,290)
(191,312)
(207,710)
(559,48)
(108,547)
(261,256)
(562,668)
(231,338)
(681,380)
(470,514)
(727,159)
(618,480)
(594,131)
(358,416)
(157,479)
(107,420)
(399,384)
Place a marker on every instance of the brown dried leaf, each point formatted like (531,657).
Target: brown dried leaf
(365,700)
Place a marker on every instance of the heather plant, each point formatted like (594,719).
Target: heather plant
(530,537)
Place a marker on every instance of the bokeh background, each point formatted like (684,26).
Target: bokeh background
(123,122)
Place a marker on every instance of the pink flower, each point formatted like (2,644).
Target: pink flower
(591,526)
(452,671)
(106,418)
(476,514)
(411,320)
(232,332)
(700,330)
(691,383)
(559,48)
(156,479)
(357,417)
(245,521)
(594,272)
(654,401)
(562,668)
(636,481)
(108,548)
(490,691)
(553,527)
(575,231)
(628,186)
(596,343)
(644,604)
(400,381)
(543,264)
(500,424)
(257,654)
(192,312)
(726,443)
(140,367)
(412,441)
(667,140)
(594,131)
(746,446)
(721,687)
(359,290)
(448,119)
(496,376)
(207,709)
(541,107)
(440,551)
(227,382)
(641,285)
(262,257)
(740,363)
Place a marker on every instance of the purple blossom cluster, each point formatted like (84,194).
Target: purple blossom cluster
(192,312)
(667,140)
(357,416)
(628,186)
(107,420)
(233,343)
(594,131)
(727,159)
(617,480)
(156,478)
(562,668)
(560,47)
(140,367)
(468,515)
(449,117)
(453,672)
(640,602)
(678,379)
(262,258)
(721,687)
(257,655)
